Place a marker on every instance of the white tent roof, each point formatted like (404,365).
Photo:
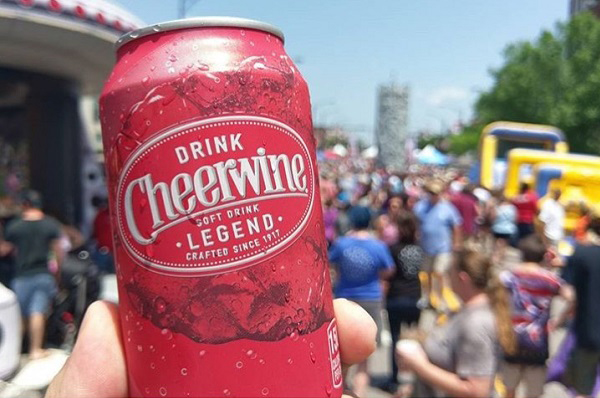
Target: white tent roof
(370,153)
(340,150)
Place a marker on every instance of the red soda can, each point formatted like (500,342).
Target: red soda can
(221,259)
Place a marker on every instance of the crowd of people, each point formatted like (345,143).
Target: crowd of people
(413,242)
(43,261)
(401,244)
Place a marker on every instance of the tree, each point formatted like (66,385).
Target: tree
(467,140)
(434,140)
(554,80)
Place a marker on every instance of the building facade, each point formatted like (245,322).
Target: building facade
(54,58)
(391,131)
(577,6)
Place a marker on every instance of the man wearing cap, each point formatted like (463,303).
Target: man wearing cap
(440,234)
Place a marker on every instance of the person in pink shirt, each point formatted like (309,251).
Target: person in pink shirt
(466,204)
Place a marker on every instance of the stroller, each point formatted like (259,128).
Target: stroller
(79,287)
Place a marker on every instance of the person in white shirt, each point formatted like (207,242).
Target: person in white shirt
(552,219)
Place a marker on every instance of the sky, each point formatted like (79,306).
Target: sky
(442,49)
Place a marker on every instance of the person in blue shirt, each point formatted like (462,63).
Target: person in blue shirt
(361,261)
(440,234)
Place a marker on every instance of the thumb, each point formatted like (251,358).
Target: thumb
(97,365)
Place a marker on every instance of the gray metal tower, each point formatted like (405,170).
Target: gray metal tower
(391,130)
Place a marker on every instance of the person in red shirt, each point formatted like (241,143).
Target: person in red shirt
(102,234)
(466,204)
(526,204)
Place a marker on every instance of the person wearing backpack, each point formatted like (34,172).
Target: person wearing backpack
(532,289)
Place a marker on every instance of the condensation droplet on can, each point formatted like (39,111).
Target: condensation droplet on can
(261,361)
(184,371)
(312,357)
(290,361)
(265,391)
(226,392)
(147,390)
(239,364)
(145,80)
(140,348)
(202,353)
(162,391)
(166,334)
(160,305)
(152,365)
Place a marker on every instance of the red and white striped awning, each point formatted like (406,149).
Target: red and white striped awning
(73,39)
(95,13)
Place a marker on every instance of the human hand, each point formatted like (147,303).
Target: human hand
(97,365)
(410,356)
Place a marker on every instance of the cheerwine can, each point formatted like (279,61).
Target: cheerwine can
(218,236)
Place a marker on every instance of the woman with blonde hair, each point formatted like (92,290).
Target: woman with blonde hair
(460,359)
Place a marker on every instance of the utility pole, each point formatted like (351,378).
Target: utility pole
(184,7)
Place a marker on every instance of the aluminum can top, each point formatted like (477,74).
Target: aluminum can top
(200,22)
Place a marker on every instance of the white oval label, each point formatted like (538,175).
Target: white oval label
(215,195)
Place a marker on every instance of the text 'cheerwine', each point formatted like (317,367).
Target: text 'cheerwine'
(216,194)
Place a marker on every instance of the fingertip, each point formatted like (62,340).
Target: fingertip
(357,331)
(97,362)
(102,313)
